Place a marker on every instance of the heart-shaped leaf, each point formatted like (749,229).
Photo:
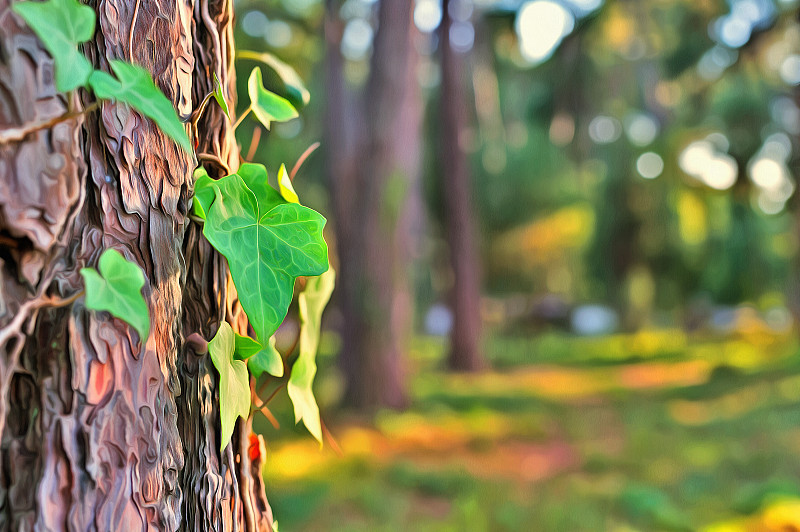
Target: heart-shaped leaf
(62,25)
(285,185)
(291,81)
(118,289)
(135,87)
(266,105)
(268,242)
(234,382)
(259,358)
(311,303)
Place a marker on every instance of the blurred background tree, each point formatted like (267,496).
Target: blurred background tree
(629,172)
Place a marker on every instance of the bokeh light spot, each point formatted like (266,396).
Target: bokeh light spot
(650,165)
(541,25)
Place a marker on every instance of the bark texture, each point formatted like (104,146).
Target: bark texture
(373,164)
(100,429)
(465,344)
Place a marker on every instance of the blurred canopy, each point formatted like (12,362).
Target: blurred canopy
(635,154)
(634,170)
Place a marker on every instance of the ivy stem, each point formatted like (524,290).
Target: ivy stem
(16,134)
(273,394)
(302,159)
(200,110)
(254,143)
(271,418)
(239,121)
(248,54)
(213,158)
(67,301)
(330,439)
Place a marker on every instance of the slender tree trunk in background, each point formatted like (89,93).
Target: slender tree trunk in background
(101,431)
(465,349)
(371,170)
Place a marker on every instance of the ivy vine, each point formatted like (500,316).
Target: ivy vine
(268,238)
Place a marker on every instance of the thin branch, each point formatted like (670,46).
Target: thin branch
(239,121)
(330,439)
(16,134)
(273,394)
(302,159)
(271,418)
(254,143)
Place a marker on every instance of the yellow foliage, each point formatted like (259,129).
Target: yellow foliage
(692,218)
(547,238)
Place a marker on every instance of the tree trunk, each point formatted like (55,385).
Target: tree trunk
(373,160)
(465,345)
(100,430)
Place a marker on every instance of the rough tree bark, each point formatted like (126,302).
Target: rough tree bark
(373,161)
(100,430)
(465,338)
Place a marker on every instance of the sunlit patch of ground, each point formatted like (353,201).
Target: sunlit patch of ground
(673,434)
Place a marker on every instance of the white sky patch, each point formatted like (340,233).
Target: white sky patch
(541,26)
(427,15)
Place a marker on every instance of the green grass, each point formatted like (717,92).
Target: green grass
(524,457)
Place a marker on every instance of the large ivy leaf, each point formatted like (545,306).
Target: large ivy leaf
(291,81)
(266,105)
(118,290)
(234,382)
(311,303)
(135,87)
(259,358)
(62,25)
(268,242)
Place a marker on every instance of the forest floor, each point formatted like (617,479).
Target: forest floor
(657,430)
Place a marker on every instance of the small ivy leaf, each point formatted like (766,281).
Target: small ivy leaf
(135,87)
(219,96)
(266,105)
(285,184)
(267,241)
(260,358)
(62,25)
(234,382)
(118,290)
(203,192)
(311,303)
(291,81)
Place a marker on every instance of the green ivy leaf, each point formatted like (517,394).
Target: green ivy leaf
(267,241)
(291,81)
(285,184)
(234,382)
(62,25)
(311,303)
(266,105)
(118,290)
(202,187)
(135,87)
(219,96)
(259,358)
